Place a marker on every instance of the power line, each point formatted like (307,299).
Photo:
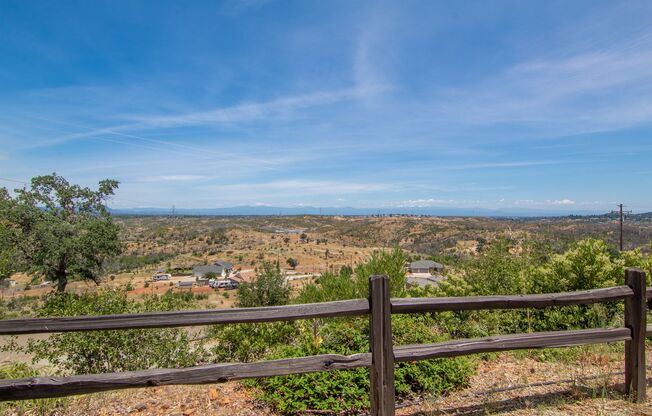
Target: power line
(14,180)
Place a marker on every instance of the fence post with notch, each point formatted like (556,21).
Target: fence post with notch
(382,391)
(636,321)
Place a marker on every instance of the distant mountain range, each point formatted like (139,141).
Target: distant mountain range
(246,210)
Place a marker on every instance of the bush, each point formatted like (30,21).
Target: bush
(587,264)
(345,285)
(118,350)
(249,342)
(348,390)
(39,406)
(269,288)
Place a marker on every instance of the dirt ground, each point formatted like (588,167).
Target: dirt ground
(515,386)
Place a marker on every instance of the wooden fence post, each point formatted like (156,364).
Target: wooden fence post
(636,321)
(382,350)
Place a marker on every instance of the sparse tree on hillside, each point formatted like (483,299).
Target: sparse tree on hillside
(292,262)
(269,288)
(59,231)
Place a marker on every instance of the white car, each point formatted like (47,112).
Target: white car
(161,276)
(222,284)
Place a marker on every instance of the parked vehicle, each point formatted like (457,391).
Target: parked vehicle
(223,284)
(161,276)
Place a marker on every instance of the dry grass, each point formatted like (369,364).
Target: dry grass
(515,385)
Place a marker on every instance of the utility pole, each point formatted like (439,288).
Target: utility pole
(621,226)
(621,216)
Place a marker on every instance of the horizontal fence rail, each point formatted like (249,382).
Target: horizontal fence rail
(353,307)
(40,387)
(510,342)
(378,307)
(185,318)
(414,305)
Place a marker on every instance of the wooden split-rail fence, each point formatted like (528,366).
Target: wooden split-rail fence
(381,358)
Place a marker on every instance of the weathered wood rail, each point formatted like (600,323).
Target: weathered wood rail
(380,359)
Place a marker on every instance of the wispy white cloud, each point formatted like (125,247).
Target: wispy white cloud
(598,89)
(246,112)
(236,7)
(174,178)
(499,165)
(303,187)
(551,202)
(562,202)
(428,202)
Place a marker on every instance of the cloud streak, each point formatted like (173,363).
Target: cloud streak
(599,89)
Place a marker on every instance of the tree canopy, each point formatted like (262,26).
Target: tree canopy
(269,288)
(57,230)
(292,262)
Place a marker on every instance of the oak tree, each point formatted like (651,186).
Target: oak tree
(57,230)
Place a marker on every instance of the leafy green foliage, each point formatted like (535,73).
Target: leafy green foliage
(210,275)
(329,287)
(249,342)
(7,250)
(39,406)
(292,262)
(504,268)
(348,390)
(60,231)
(347,285)
(390,263)
(118,350)
(269,288)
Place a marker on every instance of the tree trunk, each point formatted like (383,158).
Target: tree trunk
(62,279)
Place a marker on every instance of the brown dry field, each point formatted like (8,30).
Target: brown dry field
(333,242)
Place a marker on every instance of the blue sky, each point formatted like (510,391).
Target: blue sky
(492,104)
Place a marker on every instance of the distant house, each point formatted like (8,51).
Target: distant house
(200,271)
(202,282)
(221,268)
(228,267)
(425,266)
(236,279)
(7,283)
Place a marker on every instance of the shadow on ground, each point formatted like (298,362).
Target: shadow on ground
(489,405)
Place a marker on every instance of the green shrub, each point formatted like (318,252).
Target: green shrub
(348,390)
(117,350)
(249,342)
(39,406)
(269,288)
(587,264)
